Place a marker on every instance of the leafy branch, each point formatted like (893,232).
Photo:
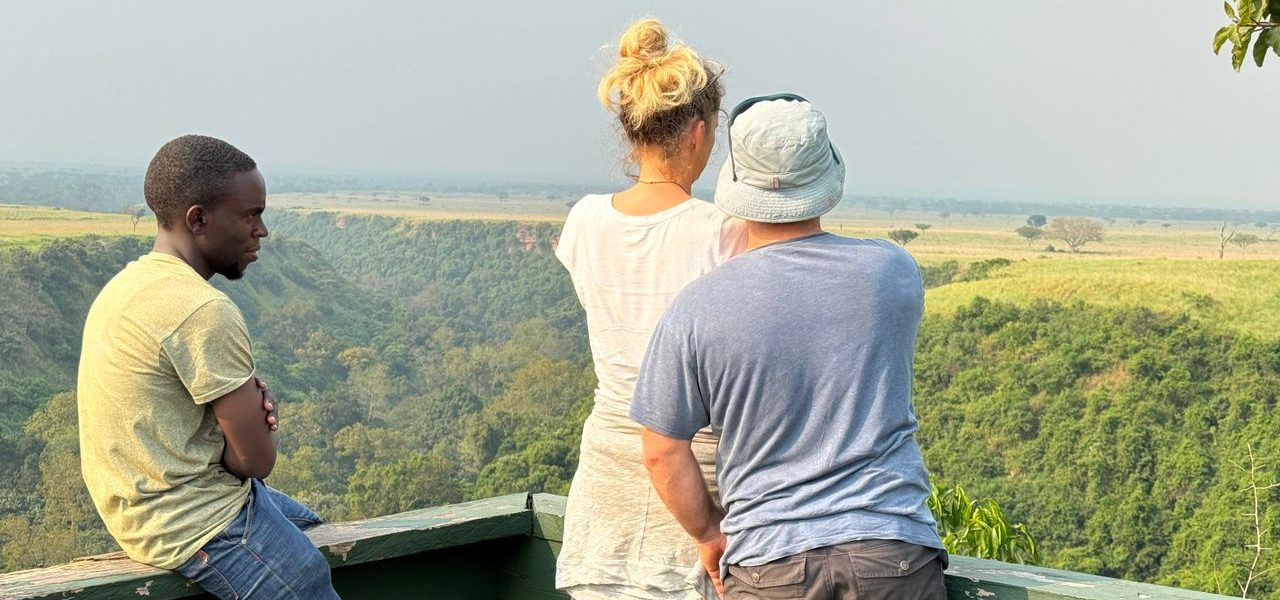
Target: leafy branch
(979,528)
(1250,18)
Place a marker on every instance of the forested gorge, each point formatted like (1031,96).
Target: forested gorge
(453,365)
(1112,433)
(420,364)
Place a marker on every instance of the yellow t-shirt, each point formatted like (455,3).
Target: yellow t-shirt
(160,343)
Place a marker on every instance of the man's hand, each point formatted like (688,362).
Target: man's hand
(710,553)
(268,404)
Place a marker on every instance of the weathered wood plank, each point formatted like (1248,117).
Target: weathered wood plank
(979,579)
(529,572)
(422,530)
(107,577)
(548,516)
(470,572)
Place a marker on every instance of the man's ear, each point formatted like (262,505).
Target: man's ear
(196,219)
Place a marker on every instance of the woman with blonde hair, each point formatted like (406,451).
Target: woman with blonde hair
(629,254)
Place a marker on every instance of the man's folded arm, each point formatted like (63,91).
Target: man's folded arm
(251,449)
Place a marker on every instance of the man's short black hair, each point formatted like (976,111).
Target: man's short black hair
(191,170)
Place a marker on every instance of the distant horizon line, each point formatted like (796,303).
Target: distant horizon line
(106,167)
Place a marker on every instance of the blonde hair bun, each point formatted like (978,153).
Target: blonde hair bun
(651,77)
(645,40)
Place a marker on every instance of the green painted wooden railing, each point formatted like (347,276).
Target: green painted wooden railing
(499,549)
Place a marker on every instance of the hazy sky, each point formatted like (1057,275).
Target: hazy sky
(1075,99)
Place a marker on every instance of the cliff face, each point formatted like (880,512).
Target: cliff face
(536,239)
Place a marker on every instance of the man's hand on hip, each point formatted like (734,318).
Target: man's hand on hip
(677,478)
(710,553)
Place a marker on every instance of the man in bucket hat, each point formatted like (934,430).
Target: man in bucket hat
(798,353)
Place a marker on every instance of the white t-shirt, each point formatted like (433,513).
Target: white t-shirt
(626,269)
(618,541)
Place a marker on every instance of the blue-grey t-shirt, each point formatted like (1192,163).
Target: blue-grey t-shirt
(799,355)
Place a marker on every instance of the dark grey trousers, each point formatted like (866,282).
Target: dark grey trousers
(864,570)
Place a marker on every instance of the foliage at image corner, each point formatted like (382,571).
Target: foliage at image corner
(1250,18)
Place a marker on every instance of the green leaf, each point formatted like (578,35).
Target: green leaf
(1260,48)
(1220,38)
(1248,12)
(1230,11)
(1272,36)
(1237,54)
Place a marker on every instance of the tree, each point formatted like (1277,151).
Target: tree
(1075,231)
(923,227)
(1225,238)
(417,481)
(1029,233)
(1037,221)
(371,381)
(135,212)
(313,472)
(903,236)
(1249,18)
(368,446)
(545,465)
(68,525)
(1256,489)
(1244,240)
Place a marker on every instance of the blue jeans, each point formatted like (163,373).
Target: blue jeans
(263,554)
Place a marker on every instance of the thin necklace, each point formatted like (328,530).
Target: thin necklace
(682,188)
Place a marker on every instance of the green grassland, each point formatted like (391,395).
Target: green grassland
(33,226)
(1243,295)
(973,238)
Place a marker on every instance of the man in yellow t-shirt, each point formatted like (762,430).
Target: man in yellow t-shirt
(172,440)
